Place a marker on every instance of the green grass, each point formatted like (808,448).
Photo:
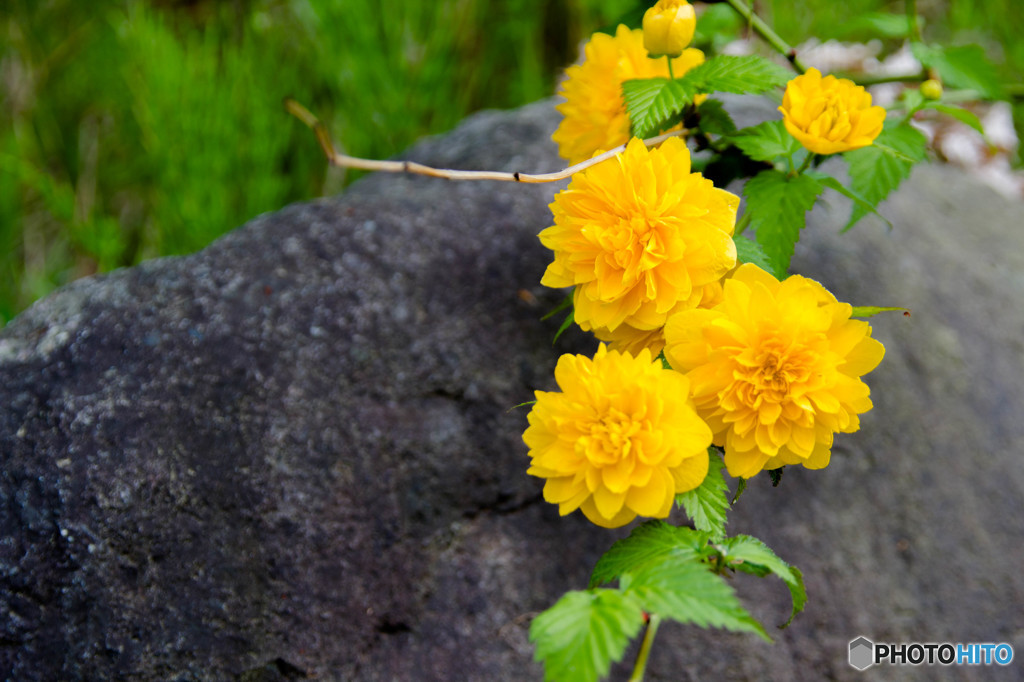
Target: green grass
(130,129)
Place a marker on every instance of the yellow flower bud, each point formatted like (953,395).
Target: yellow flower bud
(830,115)
(931,89)
(669,27)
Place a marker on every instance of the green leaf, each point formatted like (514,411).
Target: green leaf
(767,141)
(748,251)
(879,25)
(741,486)
(748,75)
(651,102)
(877,170)
(777,205)
(834,184)
(964,66)
(719,25)
(584,632)
(913,101)
(748,554)
(650,541)
(566,323)
(871,310)
(714,119)
(708,504)
(962,115)
(562,305)
(688,592)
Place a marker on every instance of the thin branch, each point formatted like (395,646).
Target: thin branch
(918,77)
(345,161)
(766,32)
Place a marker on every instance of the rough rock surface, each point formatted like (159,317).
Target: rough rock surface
(291,455)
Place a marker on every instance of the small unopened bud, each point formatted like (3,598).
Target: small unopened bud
(931,89)
(669,27)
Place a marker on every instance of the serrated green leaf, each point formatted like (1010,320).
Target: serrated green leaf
(905,140)
(651,102)
(767,141)
(871,310)
(748,554)
(650,541)
(747,75)
(741,486)
(688,592)
(747,251)
(834,184)
(877,170)
(962,115)
(963,66)
(714,119)
(708,504)
(777,205)
(584,632)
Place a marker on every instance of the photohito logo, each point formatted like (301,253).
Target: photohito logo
(864,653)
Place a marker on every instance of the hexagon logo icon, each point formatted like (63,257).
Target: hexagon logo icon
(862,653)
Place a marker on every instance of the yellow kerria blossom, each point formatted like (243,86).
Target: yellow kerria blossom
(668,27)
(640,237)
(775,369)
(633,340)
(620,440)
(830,115)
(594,112)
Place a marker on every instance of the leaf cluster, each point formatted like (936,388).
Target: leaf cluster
(664,571)
(784,181)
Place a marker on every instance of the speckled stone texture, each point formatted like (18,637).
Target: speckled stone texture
(291,455)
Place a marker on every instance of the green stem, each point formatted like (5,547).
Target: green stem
(670,73)
(742,224)
(876,80)
(766,32)
(915,28)
(645,649)
(805,165)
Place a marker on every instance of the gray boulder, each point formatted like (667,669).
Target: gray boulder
(292,455)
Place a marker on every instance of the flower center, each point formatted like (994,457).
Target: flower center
(609,439)
(769,373)
(633,246)
(834,122)
(774,376)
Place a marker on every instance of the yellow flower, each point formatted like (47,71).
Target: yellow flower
(632,340)
(640,237)
(775,369)
(830,115)
(669,27)
(620,440)
(594,113)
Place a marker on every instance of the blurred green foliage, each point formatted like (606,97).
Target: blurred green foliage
(133,129)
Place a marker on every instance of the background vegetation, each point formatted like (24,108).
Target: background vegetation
(134,129)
